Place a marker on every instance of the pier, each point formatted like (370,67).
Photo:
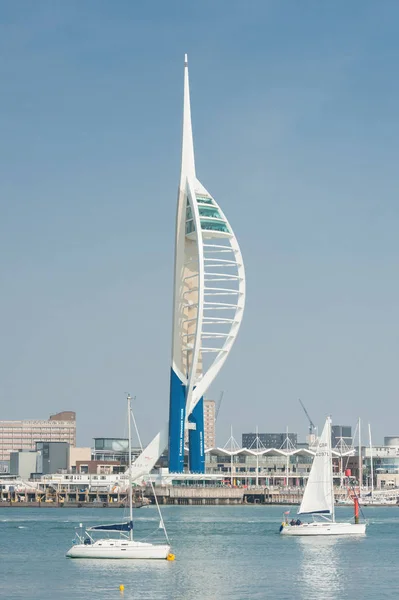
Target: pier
(181,495)
(188,495)
(184,495)
(167,495)
(65,498)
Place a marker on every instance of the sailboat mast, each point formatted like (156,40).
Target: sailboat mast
(287,466)
(231,456)
(371,465)
(129,417)
(257,456)
(331,471)
(360,460)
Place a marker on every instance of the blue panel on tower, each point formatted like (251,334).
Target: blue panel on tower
(196,439)
(177,415)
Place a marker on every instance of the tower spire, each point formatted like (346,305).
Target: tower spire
(187,162)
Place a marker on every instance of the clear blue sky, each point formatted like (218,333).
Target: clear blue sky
(295,115)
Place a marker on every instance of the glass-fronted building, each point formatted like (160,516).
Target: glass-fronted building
(269,440)
(113,449)
(270,468)
(341,436)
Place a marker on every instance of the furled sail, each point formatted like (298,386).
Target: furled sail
(318,496)
(128,526)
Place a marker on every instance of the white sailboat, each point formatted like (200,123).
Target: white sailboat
(124,546)
(318,498)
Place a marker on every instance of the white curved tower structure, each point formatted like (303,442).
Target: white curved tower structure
(209,298)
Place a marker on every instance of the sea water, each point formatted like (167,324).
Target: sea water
(231,552)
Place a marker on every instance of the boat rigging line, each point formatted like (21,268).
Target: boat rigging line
(161,521)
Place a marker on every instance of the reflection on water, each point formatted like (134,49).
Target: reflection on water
(110,574)
(153,579)
(320,571)
(92,567)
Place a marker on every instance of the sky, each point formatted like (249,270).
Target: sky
(295,109)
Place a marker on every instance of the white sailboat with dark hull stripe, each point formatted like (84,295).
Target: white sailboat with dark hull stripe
(118,548)
(124,546)
(318,498)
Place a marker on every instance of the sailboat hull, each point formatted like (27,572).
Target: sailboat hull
(320,528)
(119,549)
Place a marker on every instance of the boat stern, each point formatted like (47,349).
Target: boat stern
(284,529)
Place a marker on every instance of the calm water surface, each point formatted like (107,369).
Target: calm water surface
(221,552)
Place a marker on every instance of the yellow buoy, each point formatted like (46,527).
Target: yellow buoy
(121,588)
(170,556)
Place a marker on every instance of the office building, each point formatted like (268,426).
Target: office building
(78,454)
(269,440)
(114,449)
(210,423)
(53,457)
(392,441)
(341,436)
(23,463)
(23,435)
(98,467)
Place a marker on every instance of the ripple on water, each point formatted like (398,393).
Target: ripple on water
(221,552)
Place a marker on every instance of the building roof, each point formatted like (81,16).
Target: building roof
(272,452)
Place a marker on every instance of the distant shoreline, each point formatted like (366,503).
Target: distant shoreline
(67,505)
(85,505)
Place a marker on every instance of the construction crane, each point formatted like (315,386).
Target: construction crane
(312,426)
(218,405)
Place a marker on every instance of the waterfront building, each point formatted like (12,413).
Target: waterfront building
(269,440)
(113,449)
(85,460)
(351,464)
(98,467)
(23,435)
(266,466)
(341,436)
(385,461)
(386,480)
(391,441)
(52,457)
(209,423)
(209,426)
(23,463)
(78,454)
(208,303)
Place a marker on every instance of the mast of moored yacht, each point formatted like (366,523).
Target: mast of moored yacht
(232,442)
(161,522)
(360,460)
(129,416)
(371,465)
(257,457)
(331,471)
(287,466)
